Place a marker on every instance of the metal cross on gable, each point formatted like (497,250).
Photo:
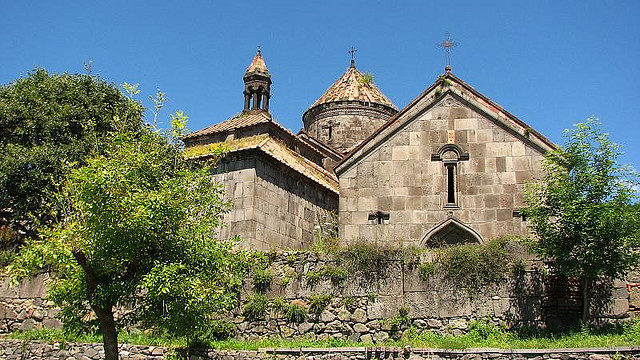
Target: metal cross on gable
(447,44)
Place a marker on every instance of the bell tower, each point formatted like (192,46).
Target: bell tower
(257,86)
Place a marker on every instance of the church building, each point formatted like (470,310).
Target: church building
(448,168)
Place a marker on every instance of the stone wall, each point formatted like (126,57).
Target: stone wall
(23,307)
(19,350)
(272,206)
(367,304)
(402,178)
(351,122)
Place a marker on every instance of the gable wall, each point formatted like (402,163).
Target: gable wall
(399,178)
(272,206)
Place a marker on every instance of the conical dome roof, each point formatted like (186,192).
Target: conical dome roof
(354,86)
(258,65)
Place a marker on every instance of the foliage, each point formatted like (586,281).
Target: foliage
(476,265)
(400,321)
(367,78)
(256,307)
(336,274)
(319,302)
(215,151)
(372,296)
(221,330)
(481,335)
(325,232)
(295,312)
(261,279)
(279,304)
(50,124)
(138,234)
(314,277)
(349,302)
(427,270)
(581,211)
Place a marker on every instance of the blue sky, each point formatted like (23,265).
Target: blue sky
(551,63)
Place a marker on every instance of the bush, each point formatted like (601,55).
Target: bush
(427,270)
(295,312)
(279,304)
(336,274)
(261,280)
(221,330)
(319,302)
(314,277)
(476,265)
(256,307)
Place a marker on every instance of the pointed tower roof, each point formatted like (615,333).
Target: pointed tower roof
(354,86)
(258,65)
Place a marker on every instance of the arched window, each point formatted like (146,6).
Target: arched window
(450,155)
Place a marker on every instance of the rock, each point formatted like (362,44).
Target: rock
(360,328)
(420,323)
(367,338)
(354,337)
(359,316)
(305,327)
(434,323)
(28,324)
(458,324)
(327,316)
(157,351)
(344,315)
(91,352)
(380,336)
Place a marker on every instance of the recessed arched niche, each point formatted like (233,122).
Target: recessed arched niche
(450,232)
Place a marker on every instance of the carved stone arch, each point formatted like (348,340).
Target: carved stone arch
(440,155)
(451,232)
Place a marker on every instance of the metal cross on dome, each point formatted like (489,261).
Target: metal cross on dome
(447,44)
(353,51)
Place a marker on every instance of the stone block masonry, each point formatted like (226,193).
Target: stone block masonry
(19,350)
(370,305)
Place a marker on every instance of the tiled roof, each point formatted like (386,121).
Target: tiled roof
(285,155)
(236,122)
(258,65)
(353,85)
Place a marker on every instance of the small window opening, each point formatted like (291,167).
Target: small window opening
(451,184)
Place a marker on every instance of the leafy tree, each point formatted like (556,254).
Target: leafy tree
(139,235)
(49,123)
(581,212)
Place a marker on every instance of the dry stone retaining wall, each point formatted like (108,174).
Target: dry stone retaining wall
(367,305)
(19,350)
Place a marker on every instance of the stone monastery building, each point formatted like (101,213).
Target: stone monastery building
(447,168)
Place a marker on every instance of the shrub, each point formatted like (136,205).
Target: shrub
(427,270)
(256,307)
(279,304)
(221,330)
(295,312)
(476,265)
(314,277)
(319,302)
(368,257)
(261,279)
(349,302)
(336,274)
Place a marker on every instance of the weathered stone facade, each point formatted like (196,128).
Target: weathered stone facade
(345,124)
(446,169)
(272,205)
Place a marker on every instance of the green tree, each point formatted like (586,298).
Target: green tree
(581,211)
(49,123)
(138,235)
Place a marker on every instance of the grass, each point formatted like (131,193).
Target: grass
(480,335)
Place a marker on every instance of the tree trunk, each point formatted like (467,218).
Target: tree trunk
(109,332)
(104,315)
(585,300)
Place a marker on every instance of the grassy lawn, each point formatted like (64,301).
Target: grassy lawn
(480,335)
